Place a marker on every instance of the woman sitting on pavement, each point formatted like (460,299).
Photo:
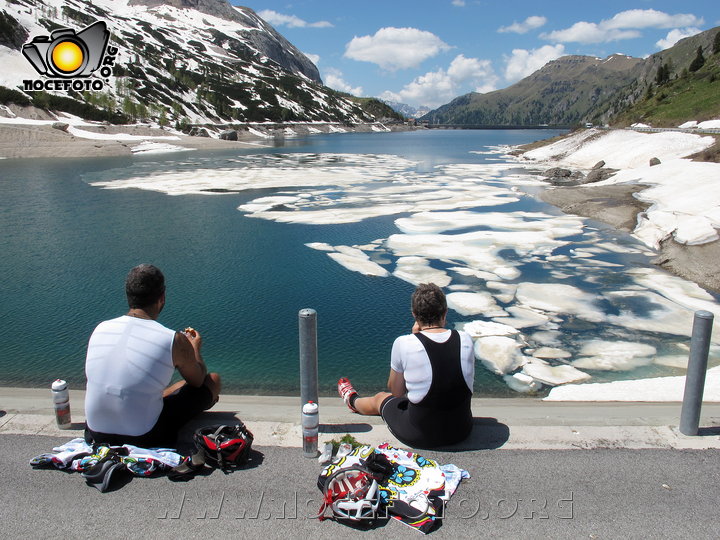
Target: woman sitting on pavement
(432,372)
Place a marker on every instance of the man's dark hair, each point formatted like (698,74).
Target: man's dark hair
(144,286)
(428,304)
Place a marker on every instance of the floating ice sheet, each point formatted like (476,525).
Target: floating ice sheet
(361,264)
(474,303)
(562,299)
(553,375)
(478,329)
(520,382)
(417,270)
(499,354)
(551,353)
(523,318)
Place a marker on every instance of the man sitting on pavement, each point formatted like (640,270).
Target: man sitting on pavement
(130,362)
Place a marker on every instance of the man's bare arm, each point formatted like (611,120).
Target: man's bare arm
(187,358)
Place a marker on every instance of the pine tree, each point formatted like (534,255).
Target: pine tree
(716,44)
(663,74)
(698,62)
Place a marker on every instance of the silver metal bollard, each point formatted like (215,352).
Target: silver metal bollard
(308,356)
(697,368)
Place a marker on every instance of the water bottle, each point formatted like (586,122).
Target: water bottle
(310,423)
(61,400)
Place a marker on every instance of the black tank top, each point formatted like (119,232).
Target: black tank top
(444,413)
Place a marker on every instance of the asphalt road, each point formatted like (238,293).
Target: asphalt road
(594,493)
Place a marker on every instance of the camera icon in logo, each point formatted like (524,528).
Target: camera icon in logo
(66,53)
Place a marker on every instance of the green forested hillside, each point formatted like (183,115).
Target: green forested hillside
(692,93)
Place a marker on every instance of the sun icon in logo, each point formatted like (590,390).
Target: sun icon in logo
(67,56)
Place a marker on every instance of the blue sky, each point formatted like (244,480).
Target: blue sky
(427,52)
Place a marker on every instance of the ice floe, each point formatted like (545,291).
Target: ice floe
(478,329)
(562,299)
(499,354)
(551,353)
(474,303)
(614,355)
(521,317)
(520,382)
(675,361)
(417,270)
(359,263)
(553,375)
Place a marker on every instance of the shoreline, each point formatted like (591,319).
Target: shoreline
(22,138)
(620,203)
(616,206)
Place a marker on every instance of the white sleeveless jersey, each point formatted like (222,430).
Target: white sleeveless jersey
(128,365)
(410,358)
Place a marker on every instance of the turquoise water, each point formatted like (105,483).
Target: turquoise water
(66,246)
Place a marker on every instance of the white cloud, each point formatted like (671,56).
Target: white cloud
(531,23)
(676,35)
(396,48)
(623,25)
(438,87)
(291,21)
(334,79)
(650,18)
(458,3)
(314,58)
(585,32)
(523,62)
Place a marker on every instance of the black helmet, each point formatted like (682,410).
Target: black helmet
(224,446)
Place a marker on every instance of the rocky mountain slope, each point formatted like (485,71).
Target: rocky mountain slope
(178,61)
(573,89)
(563,92)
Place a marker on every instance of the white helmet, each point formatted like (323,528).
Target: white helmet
(351,493)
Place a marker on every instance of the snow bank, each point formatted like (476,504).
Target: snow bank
(709,124)
(149,147)
(657,389)
(621,149)
(684,195)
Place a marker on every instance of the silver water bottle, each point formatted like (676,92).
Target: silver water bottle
(310,426)
(61,400)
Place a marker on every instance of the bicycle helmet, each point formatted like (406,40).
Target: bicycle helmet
(224,446)
(351,493)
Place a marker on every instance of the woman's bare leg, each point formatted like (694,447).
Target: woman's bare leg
(371,405)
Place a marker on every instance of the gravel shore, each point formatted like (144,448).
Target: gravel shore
(44,141)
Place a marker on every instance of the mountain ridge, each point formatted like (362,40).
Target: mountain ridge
(572,89)
(181,61)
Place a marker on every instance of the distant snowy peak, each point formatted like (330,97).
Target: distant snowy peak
(408,110)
